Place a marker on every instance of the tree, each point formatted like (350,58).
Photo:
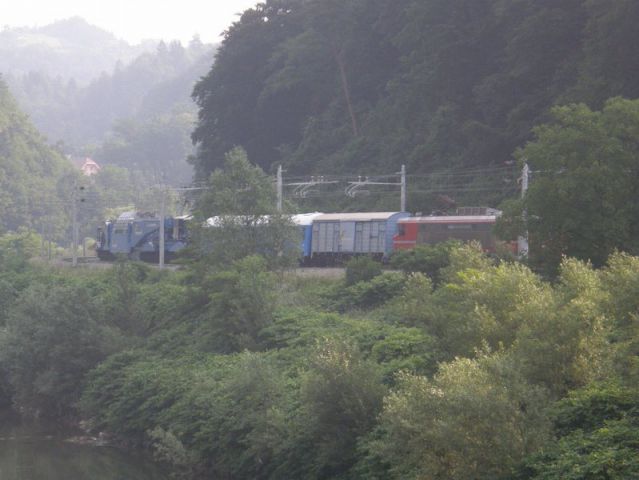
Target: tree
(53,339)
(241,303)
(157,148)
(341,395)
(563,341)
(427,259)
(607,67)
(620,282)
(583,201)
(361,269)
(475,420)
(29,172)
(598,437)
(241,204)
(241,66)
(341,87)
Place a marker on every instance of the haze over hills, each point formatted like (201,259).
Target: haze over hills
(97,95)
(69,49)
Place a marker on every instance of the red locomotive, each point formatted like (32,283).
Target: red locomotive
(466,224)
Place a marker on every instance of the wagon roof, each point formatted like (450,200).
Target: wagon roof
(452,219)
(303,219)
(300,219)
(355,217)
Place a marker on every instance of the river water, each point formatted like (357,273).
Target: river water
(35,452)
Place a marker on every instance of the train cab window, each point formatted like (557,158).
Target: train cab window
(137,229)
(401,230)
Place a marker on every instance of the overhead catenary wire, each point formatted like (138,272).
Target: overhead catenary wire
(489,183)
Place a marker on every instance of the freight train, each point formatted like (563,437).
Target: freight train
(466,224)
(137,236)
(325,238)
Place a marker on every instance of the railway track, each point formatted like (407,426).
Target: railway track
(95,262)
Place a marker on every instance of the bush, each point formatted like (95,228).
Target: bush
(341,395)
(361,269)
(598,429)
(5,388)
(475,420)
(366,295)
(427,259)
(53,339)
(609,453)
(242,302)
(591,407)
(405,349)
(130,392)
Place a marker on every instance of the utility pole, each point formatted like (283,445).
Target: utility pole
(74,226)
(403,186)
(42,240)
(162,215)
(280,188)
(49,238)
(354,188)
(522,241)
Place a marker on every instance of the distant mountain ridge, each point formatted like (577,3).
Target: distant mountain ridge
(93,94)
(70,49)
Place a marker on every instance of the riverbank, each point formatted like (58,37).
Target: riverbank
(45,451)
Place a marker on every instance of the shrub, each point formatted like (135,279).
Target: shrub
(475,420)
(427,259)
(361,269)
(366,295)
(598,429)
(53,339)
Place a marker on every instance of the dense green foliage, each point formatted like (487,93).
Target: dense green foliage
(427,259)
(240,201)
(583,200)
(32,175)
(332,86)
(361,269)
(597,430)
(38,185)
(235,371)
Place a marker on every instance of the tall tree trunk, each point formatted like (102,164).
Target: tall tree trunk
(339,58)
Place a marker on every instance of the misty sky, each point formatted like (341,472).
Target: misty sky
(132,20)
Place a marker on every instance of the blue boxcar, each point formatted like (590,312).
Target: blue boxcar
(305,223)
(339,236)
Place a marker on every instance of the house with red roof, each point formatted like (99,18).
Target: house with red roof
(87,165)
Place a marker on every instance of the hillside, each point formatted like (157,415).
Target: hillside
(32,174)
(364,86)
(135,113)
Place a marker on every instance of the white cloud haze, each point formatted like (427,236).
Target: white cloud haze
(132,20)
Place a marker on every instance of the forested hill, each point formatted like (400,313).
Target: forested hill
(328,86)
(31,174)
(153,83)
(138,115)
(68,49)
